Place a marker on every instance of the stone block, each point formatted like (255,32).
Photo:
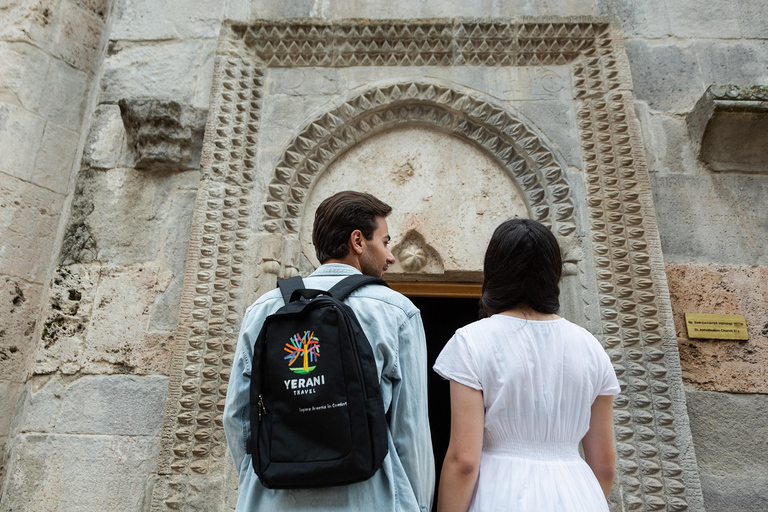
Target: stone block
(145,20)
(708,218)
(163,135)
(730,437)
(78,36)
(165,309)
(21,133)
(22,74)
(165,69)
(97,322)
(19,303)
(117,216)
(29,218)
(106,145)
(83,473)
(646,19)
(736,367)
(113,405)
(665,75)
(65,94)
(31,21)
(53,164)
(692,19)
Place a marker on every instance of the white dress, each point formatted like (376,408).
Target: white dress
(539,379)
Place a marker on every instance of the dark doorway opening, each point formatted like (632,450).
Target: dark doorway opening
(441,317)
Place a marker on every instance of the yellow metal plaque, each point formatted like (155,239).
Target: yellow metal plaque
(716,327)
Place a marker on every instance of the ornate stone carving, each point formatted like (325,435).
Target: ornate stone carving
(657,470)
(163,134)
(414,255)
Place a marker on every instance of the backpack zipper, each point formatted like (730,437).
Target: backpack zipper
(261,406)
(358,364)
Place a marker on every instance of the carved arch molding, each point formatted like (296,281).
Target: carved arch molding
(229,261)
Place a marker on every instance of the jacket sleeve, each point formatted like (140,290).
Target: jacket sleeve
(409,422)
(237,403)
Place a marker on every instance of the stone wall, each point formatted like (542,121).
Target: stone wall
(49,54)
(103,253)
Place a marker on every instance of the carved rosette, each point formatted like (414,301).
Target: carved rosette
(655,454)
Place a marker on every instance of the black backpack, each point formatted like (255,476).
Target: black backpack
(317,416)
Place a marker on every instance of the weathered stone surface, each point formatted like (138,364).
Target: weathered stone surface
(39,405)
(21,66)
(86,473)
(692,19)
(9,391)
(730,435)
(165,309)
(711,218)
(667,76)
(752,20)
(737,367)
(106,145)
(29,217)
(20,303)
(733,62)
(78,36)
(67,318)
(21,132)
(31,21)
(117,216)
(113,405)
(150,70)
(204,82)
(65,94)
(646,19)
(53,165)
(97,7)
(107,336)
(669,149)
(163,134)
(145,20)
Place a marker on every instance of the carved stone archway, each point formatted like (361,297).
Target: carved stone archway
(656,465)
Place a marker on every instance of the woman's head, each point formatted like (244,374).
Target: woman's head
(523,266)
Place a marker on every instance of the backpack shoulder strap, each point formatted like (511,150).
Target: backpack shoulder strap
(343,288)
(288,286)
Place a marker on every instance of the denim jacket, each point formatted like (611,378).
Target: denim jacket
(405,481)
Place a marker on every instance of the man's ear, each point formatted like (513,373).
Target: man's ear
(356,241)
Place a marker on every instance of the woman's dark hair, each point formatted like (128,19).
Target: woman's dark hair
(523,265)
(341,214)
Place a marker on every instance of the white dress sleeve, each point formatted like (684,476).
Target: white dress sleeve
(456,362)
(608,383)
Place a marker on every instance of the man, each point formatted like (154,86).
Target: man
(351,236)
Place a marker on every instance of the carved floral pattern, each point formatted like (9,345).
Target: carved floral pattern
(653,451)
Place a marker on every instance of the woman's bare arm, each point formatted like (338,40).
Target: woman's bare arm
(462,461)
(598,443)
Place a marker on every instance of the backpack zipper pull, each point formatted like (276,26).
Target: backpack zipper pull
(261,406)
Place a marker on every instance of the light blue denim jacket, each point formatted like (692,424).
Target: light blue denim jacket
(406,479)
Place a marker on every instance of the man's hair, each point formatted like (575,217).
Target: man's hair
(523,265)
(341,214)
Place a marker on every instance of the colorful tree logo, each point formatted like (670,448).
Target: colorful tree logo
(307,347)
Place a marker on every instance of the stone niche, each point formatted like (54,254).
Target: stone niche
(458,124)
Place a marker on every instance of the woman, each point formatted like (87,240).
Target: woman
(526,387)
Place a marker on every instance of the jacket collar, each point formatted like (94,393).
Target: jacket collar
(335,269)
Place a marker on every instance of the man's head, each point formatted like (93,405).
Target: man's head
(351,227)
